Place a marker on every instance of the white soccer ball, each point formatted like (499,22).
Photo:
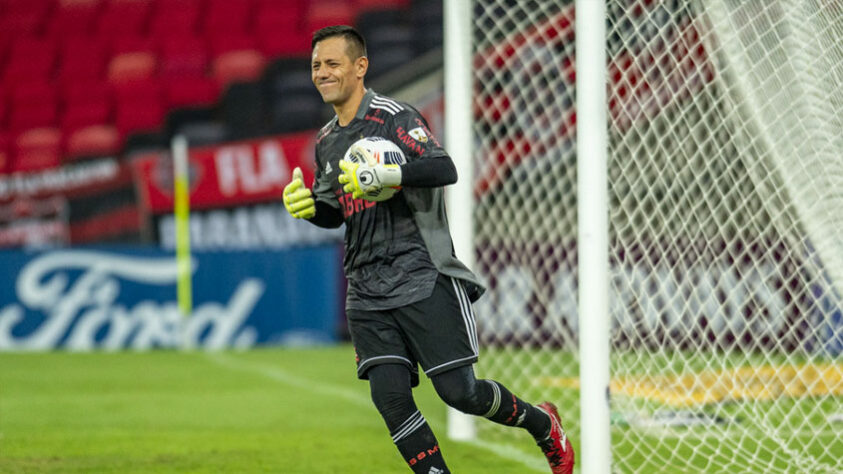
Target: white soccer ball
(381,151)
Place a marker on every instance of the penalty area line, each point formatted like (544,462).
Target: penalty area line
(503,451)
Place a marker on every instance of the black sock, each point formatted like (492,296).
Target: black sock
(417,443)
(509,410)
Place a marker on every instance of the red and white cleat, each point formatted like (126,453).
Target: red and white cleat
(556,447)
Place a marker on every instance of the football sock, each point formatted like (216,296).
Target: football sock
(392,395)
(507,409)
(417,444)
(460,389)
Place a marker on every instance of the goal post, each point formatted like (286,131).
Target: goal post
(593,236)
(724,250)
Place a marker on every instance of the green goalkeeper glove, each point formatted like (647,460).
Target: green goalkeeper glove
(360,179)
(298,199)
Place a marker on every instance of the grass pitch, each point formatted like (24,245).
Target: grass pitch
(268,410)
(304,411)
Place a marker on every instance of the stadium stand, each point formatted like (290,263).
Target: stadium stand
(82,79)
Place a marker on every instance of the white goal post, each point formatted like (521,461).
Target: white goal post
(723,247)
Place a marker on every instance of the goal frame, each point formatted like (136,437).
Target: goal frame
(593,230)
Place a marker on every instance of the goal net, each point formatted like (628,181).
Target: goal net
(725,129)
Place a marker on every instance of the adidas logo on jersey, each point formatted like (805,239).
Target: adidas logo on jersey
(434,470)
(328,169)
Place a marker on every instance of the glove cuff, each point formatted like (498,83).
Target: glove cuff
(390,175)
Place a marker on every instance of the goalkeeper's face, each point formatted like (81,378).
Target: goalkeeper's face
(334,73)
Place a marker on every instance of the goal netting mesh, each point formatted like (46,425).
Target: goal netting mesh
(725,125)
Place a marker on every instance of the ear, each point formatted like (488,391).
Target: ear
(361,65)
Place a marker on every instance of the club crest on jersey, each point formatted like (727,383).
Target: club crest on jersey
(419,134)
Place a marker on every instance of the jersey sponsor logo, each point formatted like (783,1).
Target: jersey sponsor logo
(418,134)
(418,457)
(408,140)
(427,131)
(351,206)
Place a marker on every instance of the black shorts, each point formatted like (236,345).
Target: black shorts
(437,333)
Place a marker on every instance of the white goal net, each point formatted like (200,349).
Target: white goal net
(725,225)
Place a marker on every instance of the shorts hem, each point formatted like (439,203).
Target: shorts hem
(450,365)
(367,364)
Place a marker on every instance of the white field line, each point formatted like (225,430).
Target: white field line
(534,463)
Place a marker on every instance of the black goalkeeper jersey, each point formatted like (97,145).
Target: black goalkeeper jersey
(394,249)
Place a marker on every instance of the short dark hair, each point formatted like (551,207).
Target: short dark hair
(355,41)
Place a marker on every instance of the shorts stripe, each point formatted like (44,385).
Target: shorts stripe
(411,424)
(467,315)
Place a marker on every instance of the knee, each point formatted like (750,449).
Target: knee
(460,392)
(390,393)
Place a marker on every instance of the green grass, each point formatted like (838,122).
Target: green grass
(273,410)
(304,411)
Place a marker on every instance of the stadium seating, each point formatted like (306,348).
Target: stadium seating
(79,77)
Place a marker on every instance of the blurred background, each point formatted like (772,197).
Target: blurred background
(92,93)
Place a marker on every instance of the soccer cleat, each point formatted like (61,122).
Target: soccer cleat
(556,447)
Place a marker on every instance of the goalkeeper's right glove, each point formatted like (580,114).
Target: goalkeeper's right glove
(298,199)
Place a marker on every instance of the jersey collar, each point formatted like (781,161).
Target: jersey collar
(364,104)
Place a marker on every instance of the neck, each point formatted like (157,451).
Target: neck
(348,109)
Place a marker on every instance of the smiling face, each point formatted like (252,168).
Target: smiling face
(337,76)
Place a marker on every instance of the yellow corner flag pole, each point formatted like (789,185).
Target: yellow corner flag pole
(181,200)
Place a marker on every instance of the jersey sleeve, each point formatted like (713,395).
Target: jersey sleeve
(410,131)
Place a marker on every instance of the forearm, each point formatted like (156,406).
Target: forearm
(429,172)
(326,216)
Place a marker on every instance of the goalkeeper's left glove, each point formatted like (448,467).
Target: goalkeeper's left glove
(360,179)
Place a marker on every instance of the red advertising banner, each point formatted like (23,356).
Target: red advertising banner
(232,174)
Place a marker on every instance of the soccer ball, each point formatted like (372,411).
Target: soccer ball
(381,151)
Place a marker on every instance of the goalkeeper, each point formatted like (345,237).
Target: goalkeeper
(409,298)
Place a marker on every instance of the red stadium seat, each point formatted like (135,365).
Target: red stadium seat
(227,17)
(93,140)
(276,43)
(73,18)
(245,65)
(124,17)
(29,58)
(183,56)
(150,89)
(141,117)
(172,21)
(228,42)
(86,90)
(25,17)
(33,93)
(81,58)
(191,91)
(132,66)
(37,149)
(327,13)
(139,106)
(130,43)
(78,115)
(32,116)
(280,33)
